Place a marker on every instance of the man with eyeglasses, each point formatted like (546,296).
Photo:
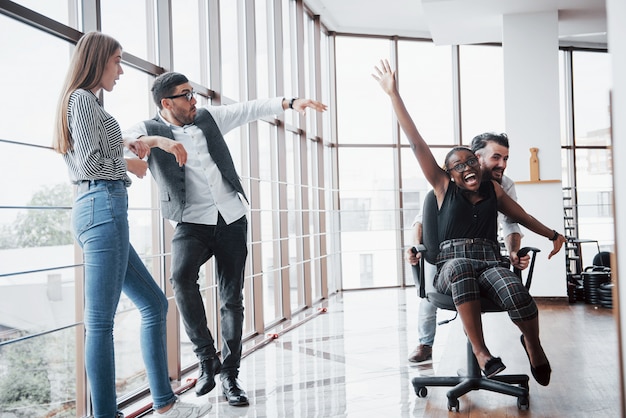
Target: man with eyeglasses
(492,151)
(201,192)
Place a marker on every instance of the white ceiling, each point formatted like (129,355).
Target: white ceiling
(581,22)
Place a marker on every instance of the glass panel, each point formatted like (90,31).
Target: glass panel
(130,28)
(294,228)
(186,37)
(482,90)
(54,9)
(264,52)
(269,230)
(594,192)
(326,90)
(129,103)
(290,86)
(48,294)
(51,189)
(296,273)
(38,376)
(367,201)
(592,84)
(356,58)
(36,100)
(308,74)
(314,223)
(229,35)
(427,89)
(566,117)
(333,226)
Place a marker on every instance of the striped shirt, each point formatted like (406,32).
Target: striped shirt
(97,152)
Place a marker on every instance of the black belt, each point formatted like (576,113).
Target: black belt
(466,241)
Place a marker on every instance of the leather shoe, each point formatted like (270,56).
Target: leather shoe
(208,369)
(233,392)
(542,372)
(421,353)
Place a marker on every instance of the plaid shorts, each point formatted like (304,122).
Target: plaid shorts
(469,269)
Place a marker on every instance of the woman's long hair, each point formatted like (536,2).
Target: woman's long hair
(88,63)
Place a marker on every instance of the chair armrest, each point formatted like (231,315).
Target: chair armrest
(529,276)
(418,270)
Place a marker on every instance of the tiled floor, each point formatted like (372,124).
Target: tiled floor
(350,360)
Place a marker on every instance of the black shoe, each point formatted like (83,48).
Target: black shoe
(541,373)
(208,369)
(233,392)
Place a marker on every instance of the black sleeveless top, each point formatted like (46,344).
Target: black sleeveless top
(458,218)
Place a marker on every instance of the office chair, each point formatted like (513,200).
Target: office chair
(471,379)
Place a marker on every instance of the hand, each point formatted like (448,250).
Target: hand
(558,243)
(300,105)
(386,78)
(139,148)
(413,258)
(175,148)
(517,262)
(137,167)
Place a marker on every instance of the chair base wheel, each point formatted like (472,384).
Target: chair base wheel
(453,404)
(523,403)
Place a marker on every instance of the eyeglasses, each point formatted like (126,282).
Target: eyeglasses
(460,167)
(189,95)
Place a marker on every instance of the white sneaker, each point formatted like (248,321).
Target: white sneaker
(186,410)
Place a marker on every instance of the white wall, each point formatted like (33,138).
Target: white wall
(531,96)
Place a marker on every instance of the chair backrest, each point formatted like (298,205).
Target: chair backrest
(430,232)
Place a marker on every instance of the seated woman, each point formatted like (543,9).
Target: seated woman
(469,262)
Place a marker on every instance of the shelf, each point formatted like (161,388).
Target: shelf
(537,181)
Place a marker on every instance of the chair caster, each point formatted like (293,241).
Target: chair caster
(453,404)
(421,391)
(523,403)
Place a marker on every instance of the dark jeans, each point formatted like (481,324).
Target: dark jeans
(192,246)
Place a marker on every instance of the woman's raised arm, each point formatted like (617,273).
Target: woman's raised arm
(435,175)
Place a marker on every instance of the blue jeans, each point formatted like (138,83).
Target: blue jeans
(100,226)
(427,314)
(192,246)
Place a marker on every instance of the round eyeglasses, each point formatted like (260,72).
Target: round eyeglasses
(460,167)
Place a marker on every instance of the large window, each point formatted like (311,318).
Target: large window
(592,141)
(426,82)
(360,100)
(41,272)
(38,325)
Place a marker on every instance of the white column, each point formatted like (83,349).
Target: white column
(531,97)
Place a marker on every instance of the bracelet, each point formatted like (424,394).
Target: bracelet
(293,99)
(555,236)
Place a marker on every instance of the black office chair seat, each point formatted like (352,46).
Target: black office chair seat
(472,378)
